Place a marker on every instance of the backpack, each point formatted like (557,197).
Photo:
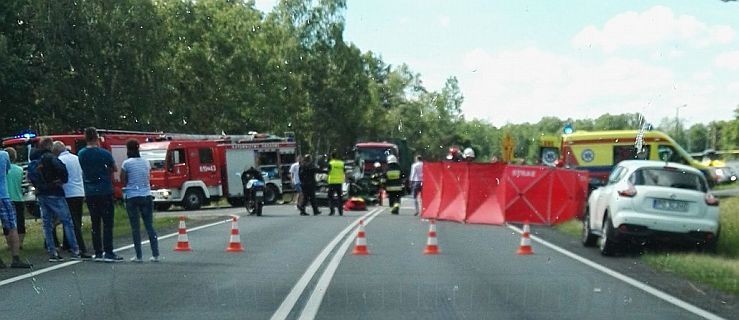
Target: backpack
(43,173)
(35,175)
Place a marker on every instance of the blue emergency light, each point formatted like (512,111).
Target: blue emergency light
(26,134)
(568,128)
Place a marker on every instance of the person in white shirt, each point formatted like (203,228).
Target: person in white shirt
(295,180)
(74,193)
(416,179)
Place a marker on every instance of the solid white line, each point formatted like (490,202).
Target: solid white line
(67,264)
(292,298)
(637,284)
(314,302)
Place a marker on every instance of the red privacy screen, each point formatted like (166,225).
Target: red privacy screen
(498,193)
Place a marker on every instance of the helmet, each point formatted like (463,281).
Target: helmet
(392,159)
(469,153)
(453,154)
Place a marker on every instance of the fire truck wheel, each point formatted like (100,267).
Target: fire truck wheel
(193,199)
(162,206)
(271,194)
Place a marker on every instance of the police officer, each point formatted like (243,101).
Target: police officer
(394,183)
(335,181)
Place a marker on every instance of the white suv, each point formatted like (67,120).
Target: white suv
(651,200)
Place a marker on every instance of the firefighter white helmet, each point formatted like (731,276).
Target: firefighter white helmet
(468,153)
(392,159)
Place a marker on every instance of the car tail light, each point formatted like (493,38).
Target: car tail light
(628,192)
(711,200)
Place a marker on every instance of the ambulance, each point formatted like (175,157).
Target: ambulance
(599,151)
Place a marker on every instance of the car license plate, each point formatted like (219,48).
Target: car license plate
(670,205)
(260,193)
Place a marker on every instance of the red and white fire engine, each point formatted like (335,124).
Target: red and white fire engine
(193,172)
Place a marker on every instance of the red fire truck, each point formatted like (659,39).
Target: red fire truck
(192,173)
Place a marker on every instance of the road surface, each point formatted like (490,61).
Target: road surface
(298,267)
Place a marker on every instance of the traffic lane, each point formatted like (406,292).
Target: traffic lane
(630,264)
(478,275)
(207,282)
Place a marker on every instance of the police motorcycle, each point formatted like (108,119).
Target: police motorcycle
(254,188)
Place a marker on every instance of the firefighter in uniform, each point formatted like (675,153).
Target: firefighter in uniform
(335,181)
(394,183)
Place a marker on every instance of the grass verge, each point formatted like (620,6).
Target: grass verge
(33,244)
(720,270)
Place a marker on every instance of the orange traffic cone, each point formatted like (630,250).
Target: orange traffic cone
(525,247)
(432,244)
(182,243)
(234,244)
(360,246)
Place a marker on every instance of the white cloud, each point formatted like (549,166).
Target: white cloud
(658,25)
(528,84)
(444,21)
(729,60)
(732,87)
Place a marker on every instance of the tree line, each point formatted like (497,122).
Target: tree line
(213,66)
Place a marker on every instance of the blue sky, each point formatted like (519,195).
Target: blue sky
(518,61)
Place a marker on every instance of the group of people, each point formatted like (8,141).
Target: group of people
(62,182)
(303,178)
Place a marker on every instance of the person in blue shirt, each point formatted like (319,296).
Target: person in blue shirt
(135,177)
(7,215)
(98,167)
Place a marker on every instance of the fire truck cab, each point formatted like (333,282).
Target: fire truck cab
(192,173)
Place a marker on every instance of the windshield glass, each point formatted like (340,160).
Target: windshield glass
(156,158)
(374,154)
(671,178)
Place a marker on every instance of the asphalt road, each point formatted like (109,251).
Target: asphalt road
(282,275)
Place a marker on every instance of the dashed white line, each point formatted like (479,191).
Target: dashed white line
(633,282)
(292,298)
(314,302)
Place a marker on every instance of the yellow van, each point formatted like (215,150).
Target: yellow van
(599,151)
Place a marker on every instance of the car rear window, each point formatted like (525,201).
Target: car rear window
(668,177)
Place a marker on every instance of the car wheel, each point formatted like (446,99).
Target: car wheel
(588,238)
(607,245)
(193,199)
(271,194)
(711,246)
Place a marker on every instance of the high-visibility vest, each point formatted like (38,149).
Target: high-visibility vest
(393,175)
(336,172)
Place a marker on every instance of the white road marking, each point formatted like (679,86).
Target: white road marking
(70,263)
(292,298)
(314,302)
(635,283)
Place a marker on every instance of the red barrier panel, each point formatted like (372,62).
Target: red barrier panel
(485,196)
(455,186)
(497,193)
(543,195)
(431,193)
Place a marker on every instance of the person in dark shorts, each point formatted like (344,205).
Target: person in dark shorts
(15,189)
(7,215)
